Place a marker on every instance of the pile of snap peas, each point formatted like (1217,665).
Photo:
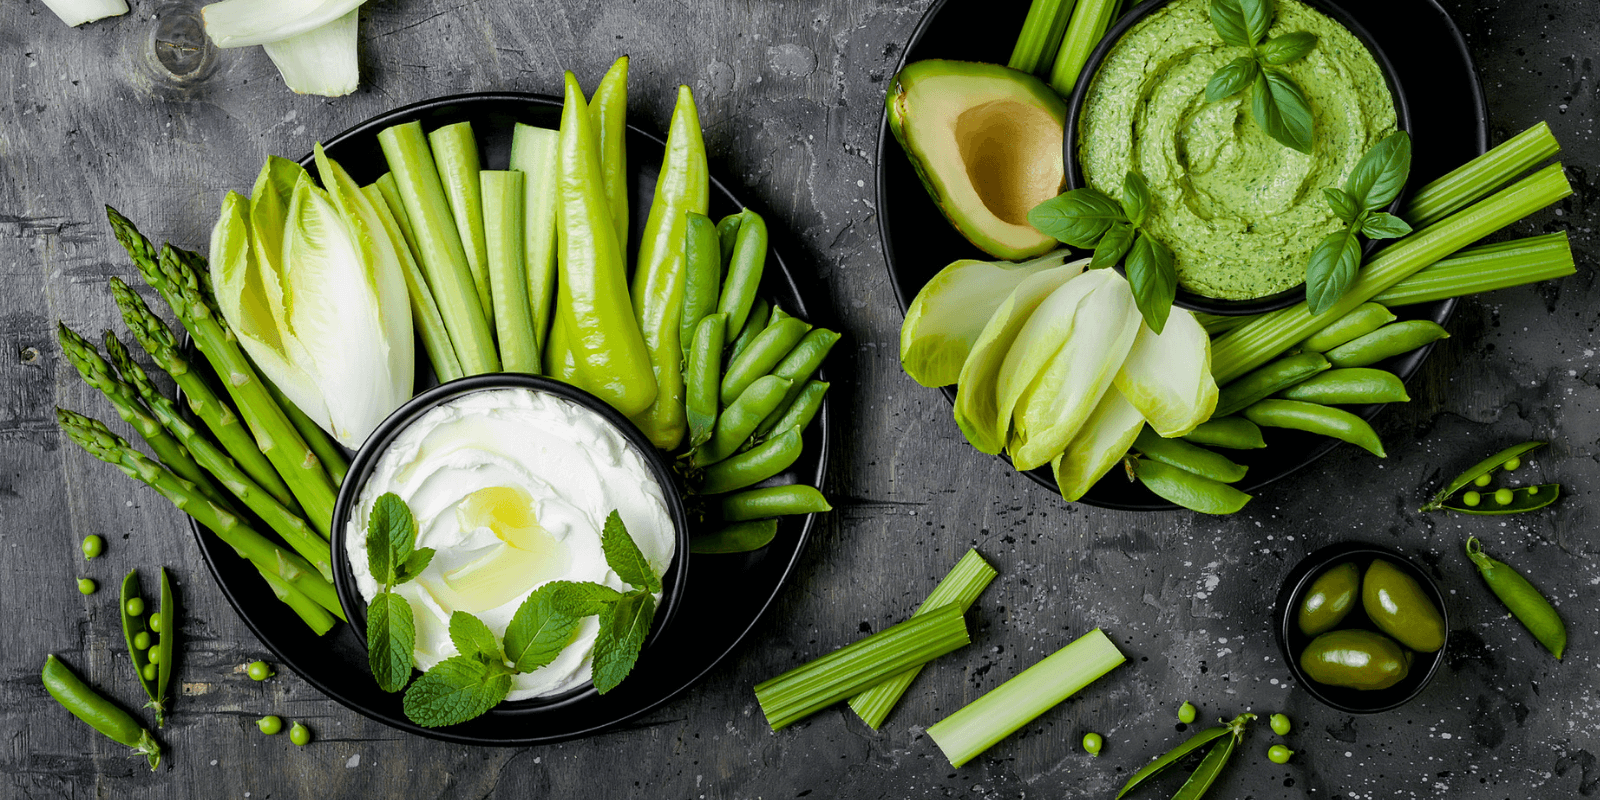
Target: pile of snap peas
(749,386)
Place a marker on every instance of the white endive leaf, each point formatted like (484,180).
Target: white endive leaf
(243,23)
(1102,442)
(952,309)
(1072,347)
(77,12)
(1168,376)
(321,61)
(977,394)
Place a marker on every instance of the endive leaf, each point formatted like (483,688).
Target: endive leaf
(321,61)
(1102,442)
(243,23)
(1167,376)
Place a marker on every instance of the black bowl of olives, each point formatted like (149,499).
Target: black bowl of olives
(1362,628)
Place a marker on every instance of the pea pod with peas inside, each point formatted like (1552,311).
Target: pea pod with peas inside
(1350,386)
(101,714)
(754,324)
(1480,470)
(752,466)
(799,413)
(1188,456)
(1367,318)
(1521,599)
(702,278)
(130,607)
(798,366)
(1267,381)
(1233,433)
(1187,489)
(703,378)
(739,420)
(774,501)
(745,266)
(1312,418)
(761,356)
(1387,342)
(1506,500)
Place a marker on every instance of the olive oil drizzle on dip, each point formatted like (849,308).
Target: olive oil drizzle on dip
(1240,211)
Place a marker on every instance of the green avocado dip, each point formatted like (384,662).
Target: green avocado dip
(1240,211)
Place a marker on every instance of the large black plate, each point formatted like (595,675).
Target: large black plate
(721,603)
(1449,127)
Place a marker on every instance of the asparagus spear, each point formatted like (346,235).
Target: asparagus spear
(157,340)
(294,572)
(328,451)
(289,526)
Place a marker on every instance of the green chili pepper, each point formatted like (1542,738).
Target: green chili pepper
(1312,418)
(702,277)
(609,354)
(1386,342)
(1522,599)
(739,420)
(753,326)
(773,501)
(164,620)
(752,466)
(1234,433)
(728,235)
(1517,501)
(1268,380)
(799,414)
(608,109)
(799,365)
(658,280)
(740,537)
(1187,456)
(761,356)
(1349,386)
(1365,319)
(703,379)
(1209,767)
(1479,470)
(101,714)
(1188,489)
(133,624)
(744,271)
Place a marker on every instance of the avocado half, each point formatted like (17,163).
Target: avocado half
(986,142)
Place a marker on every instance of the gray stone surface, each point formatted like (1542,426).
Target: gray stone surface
(791,93)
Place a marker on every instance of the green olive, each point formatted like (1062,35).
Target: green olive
(1355,658)
(1395,602)
(1329,599)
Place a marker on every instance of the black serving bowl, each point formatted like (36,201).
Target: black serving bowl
(1185,298)
(367,458)
(1291,641)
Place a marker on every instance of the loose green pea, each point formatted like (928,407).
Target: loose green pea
(150,671)
(259,671)
(141,640)
(1186,712)
(1472,498)
(1482,480)
(135,607)
(93,546)
(300,735)
(86,586)
(1280,724)
(1278,754)
(1512,463)
(1502,496)
(1092,743)
(270,725)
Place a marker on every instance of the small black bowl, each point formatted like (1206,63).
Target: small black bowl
(366,460)
(1187,299)
(1291,641)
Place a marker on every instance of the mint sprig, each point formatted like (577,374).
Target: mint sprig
(1374,182)
(1278,104)
(393,558)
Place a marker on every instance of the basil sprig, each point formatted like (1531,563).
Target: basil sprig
(1373,183)
(1086,218)
(1278,104)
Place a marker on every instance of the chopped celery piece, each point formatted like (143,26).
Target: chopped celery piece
(1041,35)
(533,153)
(321,61)
(999,713)
(960,588)
(1088,26)
(503,195)
(1480,176)
(455,153)
(1485,269)
(77,12)
(845,672)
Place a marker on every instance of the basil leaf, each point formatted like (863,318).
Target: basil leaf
(457,689)
(1229,19)
(1077,218)
(391,533)
(1377,178)
(1332,270)
(1135,198)
(623,627)
(1344,206)
(1153,279)
(1257,18)
(1234,77)
(473,638)
(1288,48)
(624,558)
(1384,226)
(1282,110)
(391,640)
(539,631)
(1113,246)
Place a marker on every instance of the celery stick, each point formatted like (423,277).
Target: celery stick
(1480,176)
(1257,342)
(1015,703)
(811,687)
(424,310)
(1486,268)
(533,153)
(1041,35)
(503,193)
(438,247)
(455,153)
(1088,26)
(960,588)
(609,110)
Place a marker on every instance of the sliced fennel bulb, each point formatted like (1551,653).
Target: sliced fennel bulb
(242,23)
(321,61)
(77,12)
(1168,375)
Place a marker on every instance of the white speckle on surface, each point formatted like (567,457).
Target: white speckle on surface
(353,762)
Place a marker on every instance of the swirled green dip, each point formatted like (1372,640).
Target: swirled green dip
(1240,211)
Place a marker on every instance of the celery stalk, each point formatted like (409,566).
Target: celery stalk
(1485,269)
(1013,704)
(438,246)
(1258,341)
(1041,35)
(811,687)
(533,153)
(1480,176)
(1088,26)
(424,310)
(508,276)
(960,588)
(455,153)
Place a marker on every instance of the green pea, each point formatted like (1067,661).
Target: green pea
(1280,724)
(86,586)
(259,671)
(154,655)
(155,623)
(135,607)
(1482,480)
(1186,712)
(1278,754)
(1092,742)
(300,735)
(1512,463)
(141,640)
(150,671)
(1503,496)
(93,546)
(270,724)
(1472,498)
(1533,490)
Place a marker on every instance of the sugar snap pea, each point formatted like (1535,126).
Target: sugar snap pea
(740,537)
(1188,456)
(133,624)
(1521,599)
(773,501)
(752,466)
(745,266)
(1517,501)
(753,326)
(164,650)
(1481,469)
(1365,319)
(1350,386)
(702,277)
(1386,342)
(763,354)
(703,378)
(799,365)
(1234,433)
(739,420)
(728,235)
(799,414)
(1232,730)
(101,714)
(1268,380)
(1312,418)
(1188,489)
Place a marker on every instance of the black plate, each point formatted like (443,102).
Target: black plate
(1449,128)
(728,593)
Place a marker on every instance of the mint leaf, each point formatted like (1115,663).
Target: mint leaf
(1288,48)
(1381,225)
(1113,245)
(391,640)
(1377,178)
(583,599)
(1135,198)
(1233,78)
(391,533)
(1344,206)
(1282,110)
(413,565)
(1153,279)
(473,638)
(539,631)
(624,558)
(457,689)
(1078,218)
(1332,269)
(623,627)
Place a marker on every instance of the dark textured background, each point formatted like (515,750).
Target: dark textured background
(791,95)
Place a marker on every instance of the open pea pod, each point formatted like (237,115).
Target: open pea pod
(1531,498)
(1478,470)
(132,626)
(166,645)
(1210,766)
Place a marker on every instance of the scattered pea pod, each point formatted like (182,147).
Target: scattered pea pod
(1188,456)
(1522,599)
(774,501)
(703,378)
(752,466)
(101,714)
(798,366)
(1365,319)
(1187,489)
(1234,433)
(1267,381)
(1207,771)
(1312,418)
(740,537)
(1478,470)
(761,356)
(1386,342)
(739,420)
(1349,386)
